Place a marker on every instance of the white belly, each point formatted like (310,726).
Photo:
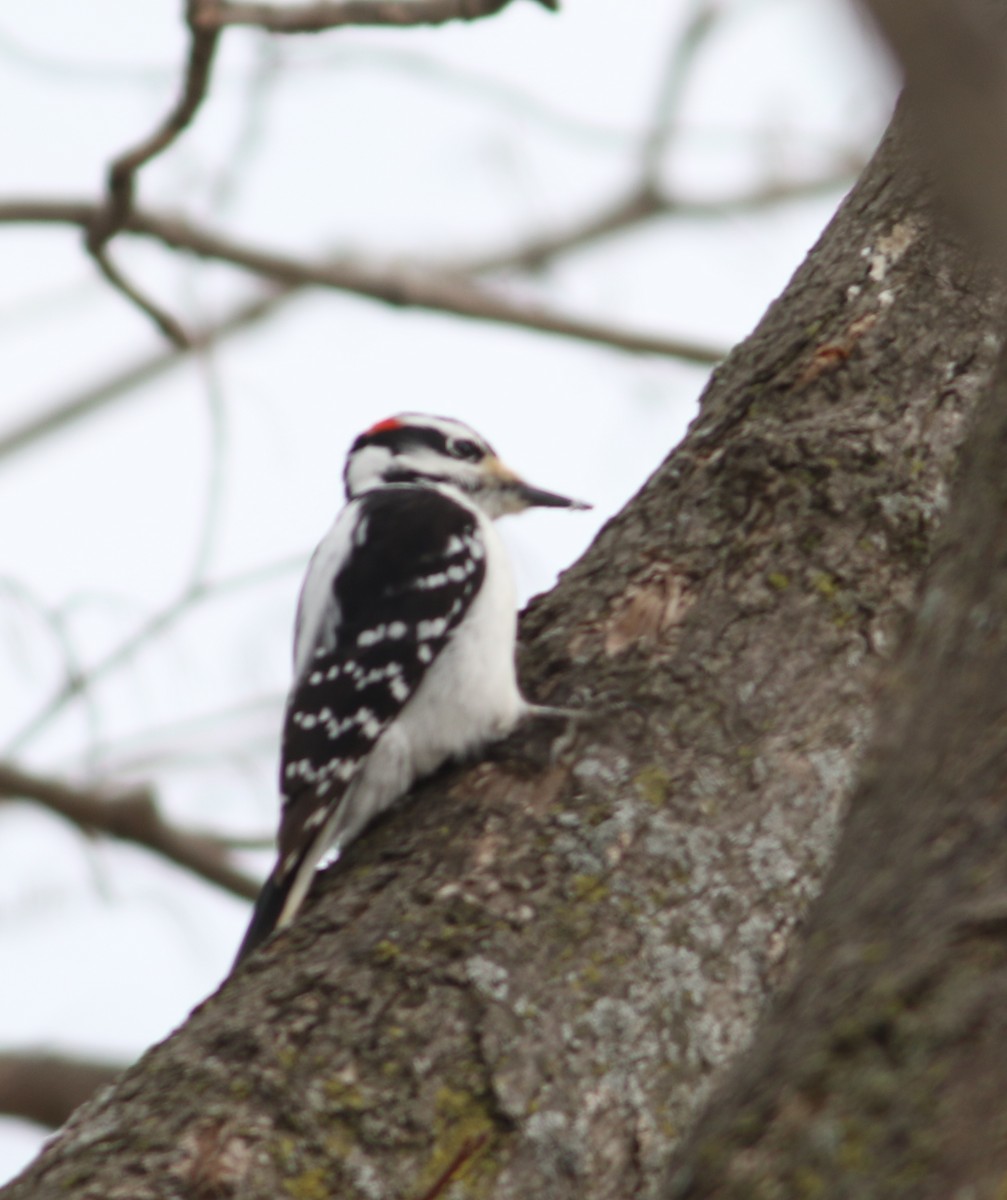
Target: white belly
(470,695)
(468,698)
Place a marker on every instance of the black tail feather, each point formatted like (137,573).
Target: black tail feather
(266,913)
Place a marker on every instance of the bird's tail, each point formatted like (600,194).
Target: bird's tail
(284,891)
(265,916)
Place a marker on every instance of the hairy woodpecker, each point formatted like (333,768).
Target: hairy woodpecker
(403,645)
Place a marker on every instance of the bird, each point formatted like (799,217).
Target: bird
(404,642)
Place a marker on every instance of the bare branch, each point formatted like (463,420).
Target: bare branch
(195,593)
(56,417)
(46,1088)
(111,218)
(534,254)
(636,208)
(475,84)
(130,817)
(216,411)
(123,171)
(64,69)
(55,623)
(701,23)
(259,89)
(206,19)
(313,18)
(167,324)
(646,203)
(196,738)
(243,841)
(402,285)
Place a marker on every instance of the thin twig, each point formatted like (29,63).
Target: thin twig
(167,324)
(216,411)
(473,84)
(314,18)
(173,745)
(684,51)
(258,95)
(469,1147)
(54,418)
(123,171)
(645,203)
(532,254)
(535,253)
(131,817)
(57,625)
(121,187)
(244,841)
(408,286)
(159,623)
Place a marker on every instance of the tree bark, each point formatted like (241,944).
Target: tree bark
(882,1071)
(525,982)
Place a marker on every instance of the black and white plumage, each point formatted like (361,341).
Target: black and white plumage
(404,641)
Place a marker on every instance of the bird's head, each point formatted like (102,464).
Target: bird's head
(441,452)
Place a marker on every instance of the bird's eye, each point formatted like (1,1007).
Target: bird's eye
(463,448)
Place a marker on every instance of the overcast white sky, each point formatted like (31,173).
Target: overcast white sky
(386,143)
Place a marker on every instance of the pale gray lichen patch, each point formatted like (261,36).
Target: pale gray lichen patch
(833,767)
(556,1152)
(689,851)
(678,972)
(365,1175)
(770,862)
(488,978)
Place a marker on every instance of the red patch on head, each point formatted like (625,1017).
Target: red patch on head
(385,426)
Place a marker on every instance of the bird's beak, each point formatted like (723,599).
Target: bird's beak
(522,495)
(534,497)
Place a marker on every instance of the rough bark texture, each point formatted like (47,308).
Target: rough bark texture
(882,1071)
(525,983)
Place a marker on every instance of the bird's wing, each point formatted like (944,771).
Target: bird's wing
(386,614)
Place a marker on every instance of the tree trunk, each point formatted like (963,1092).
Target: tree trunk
(525,982)
(882,1072)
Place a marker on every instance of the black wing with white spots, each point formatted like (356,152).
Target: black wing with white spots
(417,563)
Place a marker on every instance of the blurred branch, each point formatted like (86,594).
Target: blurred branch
(46,1088)
(402,285)
(645,200)
(112,217)
(646,203)
(216,411)
(65,69)
(162,319)
(313,18)
(436,285)
(684,51)
(224,732)
(55,624)
(642,205)
(472,84)
(246,841)
(130,817)
(259,90)
(123,171)
(196,592)
(206,19)
(56,417)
